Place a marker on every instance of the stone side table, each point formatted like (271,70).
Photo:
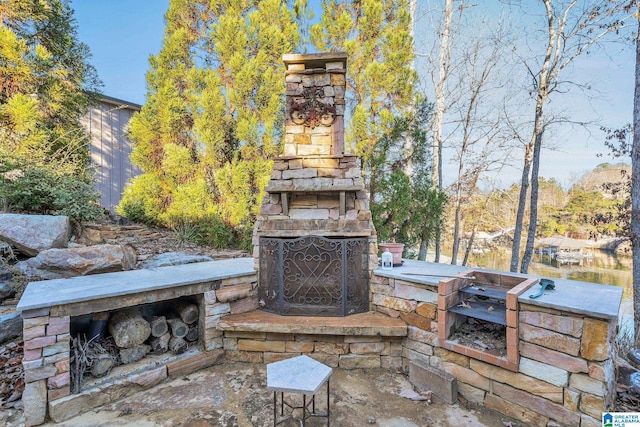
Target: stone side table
(302,375)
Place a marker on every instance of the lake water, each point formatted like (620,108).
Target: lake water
(605,268)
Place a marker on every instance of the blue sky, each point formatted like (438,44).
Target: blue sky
(123,33)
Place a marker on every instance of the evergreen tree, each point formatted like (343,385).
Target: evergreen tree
(214,113)
(377,37)
(388,120)
(45,88)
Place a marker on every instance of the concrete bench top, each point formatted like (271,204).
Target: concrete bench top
(50,293)
(593,299)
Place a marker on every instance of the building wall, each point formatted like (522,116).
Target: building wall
(107,123)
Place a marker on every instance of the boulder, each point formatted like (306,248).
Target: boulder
(10,327)
(32,234)
(79,261)
(174,258)
(5,274)
(6,292)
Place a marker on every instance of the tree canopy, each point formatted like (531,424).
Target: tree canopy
(213,119)
(46,86)
(213,115)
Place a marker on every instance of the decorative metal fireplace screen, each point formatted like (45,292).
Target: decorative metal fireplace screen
(314,276)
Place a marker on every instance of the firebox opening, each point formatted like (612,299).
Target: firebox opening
(314,276)
(478,316)
(481,335)
(104,341)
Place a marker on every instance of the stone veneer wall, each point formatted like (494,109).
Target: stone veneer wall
(566,371)
(346,352)
(47,347)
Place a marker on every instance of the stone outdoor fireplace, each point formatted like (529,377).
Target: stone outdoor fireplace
(314,242)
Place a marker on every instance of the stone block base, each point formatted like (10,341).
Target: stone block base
(443,384)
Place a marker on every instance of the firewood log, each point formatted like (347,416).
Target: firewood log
(158,326)
(160,344)
(188,312)
(177,345)
(129,328)
(101,365)
(179,329)
(193,333)
(98,325)
(131,355)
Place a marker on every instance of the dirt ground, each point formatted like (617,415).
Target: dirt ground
(235,394)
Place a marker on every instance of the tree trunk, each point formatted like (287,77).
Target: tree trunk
(424,247)
(129,328)
(443,64)
(469,247)
(533,201)
(188,312)
(522,205)
(456,231)
(635,193)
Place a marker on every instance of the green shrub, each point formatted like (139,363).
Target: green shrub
(41,191)
(213,231)
(142,200)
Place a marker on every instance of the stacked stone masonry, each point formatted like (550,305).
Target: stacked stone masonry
(346,352)
(325,75)
(46,360)
(323,196)
(565,373)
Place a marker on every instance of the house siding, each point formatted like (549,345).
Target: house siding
(107,123)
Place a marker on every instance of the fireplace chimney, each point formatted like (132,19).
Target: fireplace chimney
(316,192)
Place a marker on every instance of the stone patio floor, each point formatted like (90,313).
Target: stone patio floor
(235,394)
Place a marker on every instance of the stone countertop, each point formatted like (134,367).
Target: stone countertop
(49,293)
(593,299)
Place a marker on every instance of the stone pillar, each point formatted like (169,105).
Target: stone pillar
(315,103)
(45,362)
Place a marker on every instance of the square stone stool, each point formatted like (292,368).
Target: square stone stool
(300,374)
